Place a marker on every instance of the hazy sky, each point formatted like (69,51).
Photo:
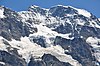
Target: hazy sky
(92,6)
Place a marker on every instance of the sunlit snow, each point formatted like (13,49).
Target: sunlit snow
(93,41)
(2,12)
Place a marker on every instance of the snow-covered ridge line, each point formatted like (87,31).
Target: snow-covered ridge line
(42,18)
(80,11)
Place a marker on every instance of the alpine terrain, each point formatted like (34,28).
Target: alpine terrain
(58,36)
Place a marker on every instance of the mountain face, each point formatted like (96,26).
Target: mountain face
(58,36)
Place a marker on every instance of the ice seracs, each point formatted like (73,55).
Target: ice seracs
(28,49)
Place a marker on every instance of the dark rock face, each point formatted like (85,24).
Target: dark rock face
(78,49)
(47,60)
(40,40)
(78,31)
(64,29)
(61,11)
(36,63)
(11,60)
(90,31)
(10,27)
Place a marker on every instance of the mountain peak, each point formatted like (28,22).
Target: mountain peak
(37,9)
(59,10)
(72,10)
(34,6)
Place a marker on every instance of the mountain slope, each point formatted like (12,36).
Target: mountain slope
(59,36)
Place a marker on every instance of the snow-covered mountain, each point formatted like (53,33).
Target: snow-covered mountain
(58,36)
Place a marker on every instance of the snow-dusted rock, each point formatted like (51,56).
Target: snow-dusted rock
(68,35)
